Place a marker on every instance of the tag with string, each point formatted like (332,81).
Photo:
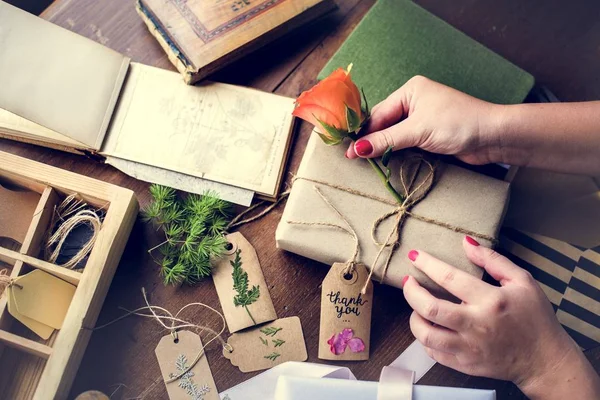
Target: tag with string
(181,354)
(346,301)
(38,300)
(267,346)
(185,368)
(345,329)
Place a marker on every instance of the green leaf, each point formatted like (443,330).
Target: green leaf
(264,341)
(273,356)
(367,111)
(328,141)
(270,331)
(352,119)
(336,135)
(385,158)
(278,342)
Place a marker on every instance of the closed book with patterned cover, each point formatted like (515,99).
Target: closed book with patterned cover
(201,36)
(397,40)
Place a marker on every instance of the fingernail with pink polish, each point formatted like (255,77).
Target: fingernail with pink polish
(363,148)
(404,280)
(412,255)
(471,241)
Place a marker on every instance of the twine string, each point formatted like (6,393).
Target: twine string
(238,221)
(6,281)
(173,323)
(401,212)
(348,229)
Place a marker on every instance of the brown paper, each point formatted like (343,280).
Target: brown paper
(459,197)
(240,317)
(345,330)
(16,212)
(177,353)
(43,297)
(561,206)
(267,345)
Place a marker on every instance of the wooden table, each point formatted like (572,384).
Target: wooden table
(558,42)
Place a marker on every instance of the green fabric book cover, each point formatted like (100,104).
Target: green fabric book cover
(397,40)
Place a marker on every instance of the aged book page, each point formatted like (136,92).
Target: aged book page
(56,78)
(214,131)
(12,125)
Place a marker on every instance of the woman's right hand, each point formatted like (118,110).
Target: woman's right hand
(434,117)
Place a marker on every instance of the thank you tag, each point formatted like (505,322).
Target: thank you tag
(268,345)
(176,354)
(40,301)
(345,314)
(241,286)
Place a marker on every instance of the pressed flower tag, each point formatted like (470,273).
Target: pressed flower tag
(176,354)
(241,286)
(267,345)
(345,314)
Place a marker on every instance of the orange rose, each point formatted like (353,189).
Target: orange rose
(332,106)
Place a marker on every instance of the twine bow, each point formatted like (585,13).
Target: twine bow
(410,175)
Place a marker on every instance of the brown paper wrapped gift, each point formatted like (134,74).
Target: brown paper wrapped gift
(461,200)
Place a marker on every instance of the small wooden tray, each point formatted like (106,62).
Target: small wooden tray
(33,368)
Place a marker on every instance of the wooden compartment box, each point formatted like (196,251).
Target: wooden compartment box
(33,368)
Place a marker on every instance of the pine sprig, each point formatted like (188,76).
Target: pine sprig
(278,342)
(271,330)
(273,356)
(244,296)
(193,229)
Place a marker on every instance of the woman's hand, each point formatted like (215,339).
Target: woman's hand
(434,117)
(563,137)
(508,332)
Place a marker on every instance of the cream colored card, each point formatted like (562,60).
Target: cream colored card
(42,330)
(267,345)
(247,302)
(345,330)
(43,297)
(214,131)
(176,355)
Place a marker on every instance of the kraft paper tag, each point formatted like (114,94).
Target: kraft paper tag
(241,286)
(43,297)
(268,345)
(42,330)
(16,212)
(345,329)
(177,354)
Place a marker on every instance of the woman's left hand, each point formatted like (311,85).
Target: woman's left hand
(508,332)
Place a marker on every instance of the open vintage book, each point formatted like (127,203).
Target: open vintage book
(61,90)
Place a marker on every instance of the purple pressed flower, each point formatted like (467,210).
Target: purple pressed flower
(338,342)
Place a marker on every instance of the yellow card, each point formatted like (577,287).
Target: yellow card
(43,331)
(43,297)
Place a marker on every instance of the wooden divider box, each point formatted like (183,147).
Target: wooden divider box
(33,368)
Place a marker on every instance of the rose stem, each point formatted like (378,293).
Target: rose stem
(385,181)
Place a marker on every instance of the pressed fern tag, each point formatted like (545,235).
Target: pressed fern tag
(177,358)
(267,345)
(241,286)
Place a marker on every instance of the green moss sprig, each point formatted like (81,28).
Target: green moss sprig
(194,229)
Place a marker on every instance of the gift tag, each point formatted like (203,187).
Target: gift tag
(42,330)
(176,354)
(43,297)
(241,286)
(268,345)
(345,314)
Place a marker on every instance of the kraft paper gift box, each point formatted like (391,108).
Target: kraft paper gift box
(463,200)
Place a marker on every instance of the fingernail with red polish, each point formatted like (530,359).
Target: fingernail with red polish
(472,241)
(404,280)
(412,255)
(363,148)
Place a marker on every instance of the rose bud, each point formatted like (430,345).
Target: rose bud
(333,106)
